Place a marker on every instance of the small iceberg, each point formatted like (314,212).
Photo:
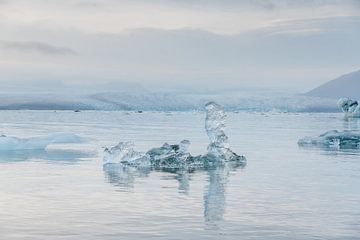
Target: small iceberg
(348,139)
(124,153)
(8,143)
(177,155)
(351,108)
(215,125)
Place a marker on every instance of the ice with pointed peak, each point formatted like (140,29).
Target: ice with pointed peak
(348,139)
(177,155)
(215,125)
(350,107)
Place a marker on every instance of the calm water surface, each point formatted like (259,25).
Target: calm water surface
(284,192)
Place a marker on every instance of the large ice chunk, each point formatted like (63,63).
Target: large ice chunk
(8,143)
(177,155)
(215,125)
(166,156)
(334,139)
(170,156)
(350,107)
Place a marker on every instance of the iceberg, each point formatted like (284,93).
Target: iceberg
(171,156)
(348,139)
(124,153)
(177,155)
(8,143)
(215,126)
(166,156)
(350,107)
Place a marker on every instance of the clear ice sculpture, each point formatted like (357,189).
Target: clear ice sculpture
(351,108)
(177,155)
(215,126)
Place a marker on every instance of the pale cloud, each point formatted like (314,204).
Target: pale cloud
(40,47)
(229,17)
(195,42)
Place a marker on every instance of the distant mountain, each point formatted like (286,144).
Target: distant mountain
(347,85)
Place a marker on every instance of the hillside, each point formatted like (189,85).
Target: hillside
(344,86)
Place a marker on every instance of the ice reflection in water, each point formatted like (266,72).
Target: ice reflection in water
(124,176)
(351,123)
(51,155)
(214,198)
(183,177)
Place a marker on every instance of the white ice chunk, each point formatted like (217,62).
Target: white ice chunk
(8,143)
(350,107)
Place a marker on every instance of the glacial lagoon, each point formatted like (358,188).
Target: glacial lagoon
(284,191)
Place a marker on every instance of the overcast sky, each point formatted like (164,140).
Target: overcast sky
(187,43)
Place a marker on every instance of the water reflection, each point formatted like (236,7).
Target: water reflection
(331,150)
(123,177)
(183,178)
(351,123)
(214,196)
(51,155)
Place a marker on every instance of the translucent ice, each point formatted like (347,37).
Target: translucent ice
(215,126)
(350,107)
(170,156)
(177,155)
(166,156)
(124,153)
(35,143)
(334,139)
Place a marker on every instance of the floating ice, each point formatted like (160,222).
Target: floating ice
(334,139)
(124,153)
(215,126)
(8,143)
(177,156)
(350,107)
(170,156)
(166,156)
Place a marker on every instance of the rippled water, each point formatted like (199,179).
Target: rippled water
(284,192)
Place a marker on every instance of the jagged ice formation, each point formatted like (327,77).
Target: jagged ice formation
(178,156)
